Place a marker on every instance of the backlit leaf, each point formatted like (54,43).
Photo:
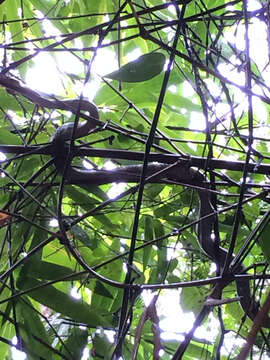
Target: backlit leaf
(144,68)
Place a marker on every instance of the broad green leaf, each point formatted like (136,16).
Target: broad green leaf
(100,289)
(23,230)
(181,102)
(195,350)
(237,314)
(148,235)
(78,233)
(16,29)
(159,231)
(173,264)
(32,329)
(192,299)
(7,331)
(162,267)
(46,8)
(63,303)
(88,203)
(3,196)
(6,137)
(8,102)
(152,190)
(144,68)
(162,263)
(28,167)
(102,348)
(45,270)
(164,210)
(264,242)
(75,344)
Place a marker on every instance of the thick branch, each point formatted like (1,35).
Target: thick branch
(138,156)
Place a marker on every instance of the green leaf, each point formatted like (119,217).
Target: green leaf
(192,299)
(14,27)
(60,302)
(264,242)
(6,137)
(8,102)
(45,270)
(81,235)
(88,203)
(46,8)
(144,68)
(101,347)
(152,190)
(148,235)
(28,167)
(32,329)
(159,231)
(100,289)
(237,314)
(7,331)
(75,343)
(193,351)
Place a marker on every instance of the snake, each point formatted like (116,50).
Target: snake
(182,174)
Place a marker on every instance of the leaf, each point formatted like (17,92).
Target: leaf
(44,7)
(264,242)
(28,167)
(80,234)
(191,299)
(75,343)
(45,270)
(32,329)
(159,231)
(101,347)
(144,68)
(148,235)
(88,203)
(100,289)
(236,316)
(4,196)
(7,329)
(14,27)
(152,190)
(162,263)
(164,210)
(193,351)
(6,137)
(60,302)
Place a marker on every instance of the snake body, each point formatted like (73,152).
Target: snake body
(182,174)
(65,132)
(249,305)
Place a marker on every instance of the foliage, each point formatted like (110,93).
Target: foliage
(207,108)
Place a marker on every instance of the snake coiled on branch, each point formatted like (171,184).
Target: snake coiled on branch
(181,174)
(177,174)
